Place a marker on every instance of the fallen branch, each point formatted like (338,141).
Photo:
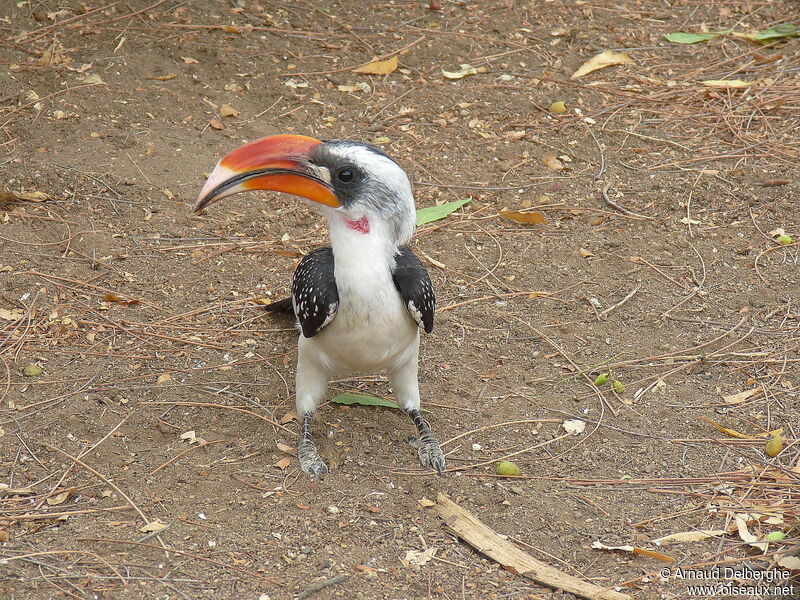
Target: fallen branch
(484,539)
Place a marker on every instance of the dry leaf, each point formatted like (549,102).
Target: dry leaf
(118,523)
(283,463)
(417,559)
(189,60)
(368,571)
(574,426)
(689,536)
(121,301)
(551,162)
(12,314)
(727,83)
(601,61)
(529,218)
(464,72)
(361,86)
(164,378)
(216,124)
(59,498)
(584,253)
(634,550)
(231,29)
(290,254)
(378,67)
(23,197)
(153,526)
(790,562)
(226,110)
(93,78)
(744,533)
(596,220)
(740,397)
(288,417)
(285,448)
(729,432)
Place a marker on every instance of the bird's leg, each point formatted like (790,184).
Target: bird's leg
(406,390)
(307,452)
(310,384)
(430,454)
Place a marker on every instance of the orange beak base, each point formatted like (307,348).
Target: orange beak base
(280,163)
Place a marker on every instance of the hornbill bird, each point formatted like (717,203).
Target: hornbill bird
(360,302)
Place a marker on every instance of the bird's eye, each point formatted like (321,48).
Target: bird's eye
(345,175)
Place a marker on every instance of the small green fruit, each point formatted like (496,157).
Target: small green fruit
(618,387)
(506,467)
(32,371)
(601,379)
(784,240)
(775,536)
(774,446)
(558,108)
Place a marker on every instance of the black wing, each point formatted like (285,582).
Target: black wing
(415,287)
(315,297)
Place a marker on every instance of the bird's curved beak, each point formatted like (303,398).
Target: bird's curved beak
(281,163)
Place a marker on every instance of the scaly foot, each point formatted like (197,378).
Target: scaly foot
(430,454)
(310,460)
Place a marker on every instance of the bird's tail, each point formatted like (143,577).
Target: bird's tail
(281,306)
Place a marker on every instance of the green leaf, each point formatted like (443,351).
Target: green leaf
(681,37)
(784,30)
(365,400)
(434,213)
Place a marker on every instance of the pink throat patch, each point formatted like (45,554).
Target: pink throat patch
(360,225)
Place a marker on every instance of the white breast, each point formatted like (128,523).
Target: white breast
(372,330)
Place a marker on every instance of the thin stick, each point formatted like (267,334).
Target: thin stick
(90,286)
(43,30)
(184,453)
(69,513)
(620,303)
(112,485)
(342,69)
(321,585)
(45,553)
(522,422)
(621,209)
(602,170)
(236,408)
(183,553)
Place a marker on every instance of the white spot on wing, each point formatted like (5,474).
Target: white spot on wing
(415,312)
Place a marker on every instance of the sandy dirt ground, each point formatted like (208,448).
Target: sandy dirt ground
(646,232)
